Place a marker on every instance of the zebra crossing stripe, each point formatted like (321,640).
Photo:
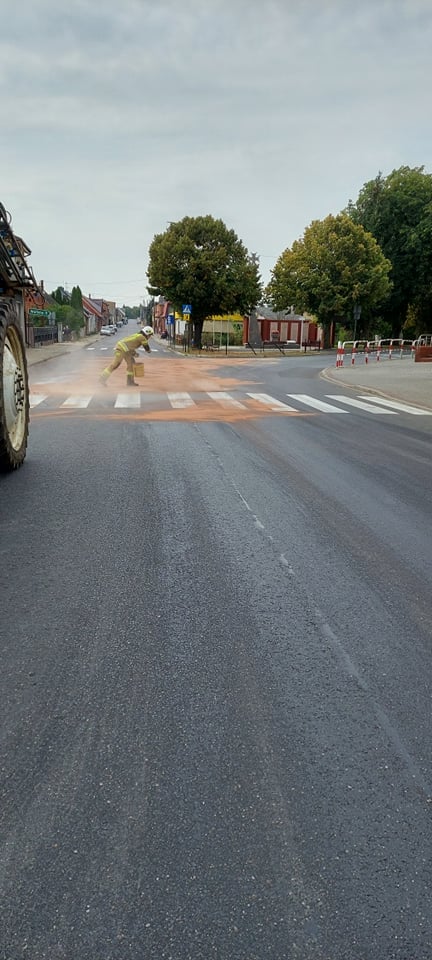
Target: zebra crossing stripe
(128,400)
(400,407)
(315,403)
(180,400)
(272,402)
(132,400)
(77,402)
(226,400)
(359,404)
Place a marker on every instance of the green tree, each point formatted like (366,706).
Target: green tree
(59,295)
(201,262)
(70,312)
(77,320)
(132,313)
(65,315)
(335,265)
(148,311)
(76,299)
(397,210)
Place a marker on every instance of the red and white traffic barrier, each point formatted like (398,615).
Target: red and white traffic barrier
(340,354)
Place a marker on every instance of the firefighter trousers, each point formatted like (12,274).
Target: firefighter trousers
(119,356)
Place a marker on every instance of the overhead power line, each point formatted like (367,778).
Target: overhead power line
(101,283)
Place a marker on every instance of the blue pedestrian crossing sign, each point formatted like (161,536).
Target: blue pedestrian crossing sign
(187,308)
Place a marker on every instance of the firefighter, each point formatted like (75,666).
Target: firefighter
(126,350)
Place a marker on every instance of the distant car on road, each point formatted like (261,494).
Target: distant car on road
(107,331)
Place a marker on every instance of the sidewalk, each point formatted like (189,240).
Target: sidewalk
(402,380)
(51,350)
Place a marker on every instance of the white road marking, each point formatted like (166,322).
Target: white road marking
(180,400)
(78,402)
(360,405)
(104,348)
(91,348)
(286,563)
(226,400)
(272,402)
(400,407)
(36,398)
(128,400)
(318,404)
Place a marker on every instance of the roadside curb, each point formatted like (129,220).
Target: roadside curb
(239,353)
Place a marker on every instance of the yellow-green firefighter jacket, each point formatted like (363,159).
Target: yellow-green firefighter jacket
(130,344)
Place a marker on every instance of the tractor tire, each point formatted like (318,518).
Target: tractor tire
(14,391)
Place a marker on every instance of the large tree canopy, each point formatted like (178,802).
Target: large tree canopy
(131,312)
(201,262)
(335,265)
(69,313)
(397,210)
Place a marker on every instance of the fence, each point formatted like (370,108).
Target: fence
(37,336)
(375,350)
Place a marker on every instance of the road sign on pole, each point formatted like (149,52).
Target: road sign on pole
(34,312)
(172,329)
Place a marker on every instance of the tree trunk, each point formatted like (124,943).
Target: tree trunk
(197,333)
(326,327)
(188,334)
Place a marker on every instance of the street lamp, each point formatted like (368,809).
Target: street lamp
(356,314)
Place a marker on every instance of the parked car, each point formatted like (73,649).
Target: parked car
(106,331)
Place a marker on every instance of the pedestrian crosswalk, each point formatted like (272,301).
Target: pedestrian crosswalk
(127,401)
(362,405)
(272,402)
(316,403)
(77,402)
(247,402)
(180,401)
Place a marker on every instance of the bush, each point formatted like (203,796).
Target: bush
(343,333)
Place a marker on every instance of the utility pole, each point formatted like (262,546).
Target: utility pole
(356,314)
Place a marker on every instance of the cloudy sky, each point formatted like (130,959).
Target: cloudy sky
(117,117)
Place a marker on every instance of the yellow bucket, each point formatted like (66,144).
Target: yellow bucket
(138,369)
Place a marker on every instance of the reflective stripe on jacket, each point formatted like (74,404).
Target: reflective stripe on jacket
(129,344)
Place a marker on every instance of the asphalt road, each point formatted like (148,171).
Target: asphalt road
(215,694)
